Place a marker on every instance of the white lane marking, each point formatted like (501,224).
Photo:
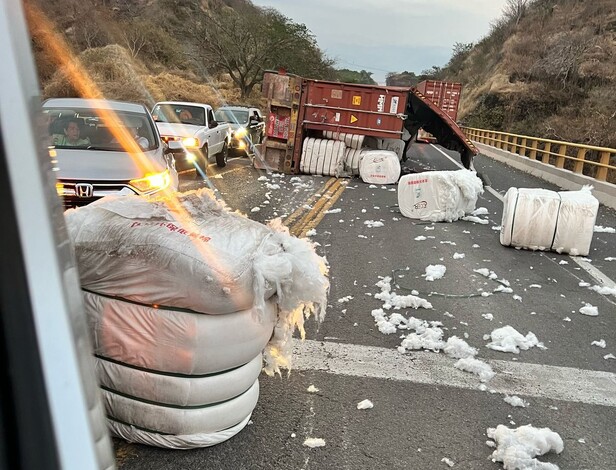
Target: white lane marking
(595,273)
(512,378)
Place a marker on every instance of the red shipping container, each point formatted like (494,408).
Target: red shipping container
(446,95)
(356,109)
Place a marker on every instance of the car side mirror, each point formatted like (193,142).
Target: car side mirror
(212,124)
(166,148)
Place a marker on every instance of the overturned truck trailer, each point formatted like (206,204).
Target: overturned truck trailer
(300,108)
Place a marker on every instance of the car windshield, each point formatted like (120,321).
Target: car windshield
(236,116)
(182,114)
(98,129)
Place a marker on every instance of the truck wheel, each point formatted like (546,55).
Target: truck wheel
(221,157)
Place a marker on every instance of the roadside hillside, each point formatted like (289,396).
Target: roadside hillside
(548,68)
(213,51)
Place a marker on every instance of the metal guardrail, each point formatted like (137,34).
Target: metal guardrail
(596,162)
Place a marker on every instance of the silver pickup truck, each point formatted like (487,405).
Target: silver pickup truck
(192,133)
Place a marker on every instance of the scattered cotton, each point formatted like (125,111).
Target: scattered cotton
(429,227)
(516,448)
(562,261)
(476,366)
(420,238)
(458,348)
(458,255)
(609,356)
(255,209)
(475,246)
(604,290)
(475,220)
(311,233)
(508,339)
(601,343)
(496,228)
(601,229)
(345,299)
(480,211)
(610,258)
(313,442)
(488,316)
(262,178)
(589,310)
(333,211)
(516,401)
(312,389)
(272,186)
(449,462)
(373,223)
(434,272)
(365,405)
(448,242)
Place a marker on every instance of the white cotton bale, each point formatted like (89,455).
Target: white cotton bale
(189,251)
(529,218)
(174,420)
(379,167)
(322,157)
(352,159)
(172,341)
(177,389)
(439,196)
(174,441)
(354,141)
(576,222)
(541,219)
(394,145)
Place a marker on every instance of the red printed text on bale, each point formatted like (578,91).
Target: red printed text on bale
(172,228)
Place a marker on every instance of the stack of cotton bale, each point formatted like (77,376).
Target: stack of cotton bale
(540,219)
(341,154)
(184,299)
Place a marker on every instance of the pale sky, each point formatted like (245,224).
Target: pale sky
(383,36)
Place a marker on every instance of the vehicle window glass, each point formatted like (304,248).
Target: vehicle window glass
(210,116)
(97,129)
(183,114)
(233,116)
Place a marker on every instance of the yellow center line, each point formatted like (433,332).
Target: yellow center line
(301,210)
(314,217)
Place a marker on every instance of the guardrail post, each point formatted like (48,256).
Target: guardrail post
(545,157)
(523,147)
(579,165)
(562,152)
(514,147)
(502,141)
(604,159)
(533,150)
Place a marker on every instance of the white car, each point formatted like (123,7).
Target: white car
(103,147)
(192,132)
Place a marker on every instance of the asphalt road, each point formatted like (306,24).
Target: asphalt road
(424,409)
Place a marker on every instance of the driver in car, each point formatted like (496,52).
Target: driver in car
(70,138)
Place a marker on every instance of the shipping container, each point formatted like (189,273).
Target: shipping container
(299,108)
(446,95)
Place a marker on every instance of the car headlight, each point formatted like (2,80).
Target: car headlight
(152,182)
(190,142)
(239,133)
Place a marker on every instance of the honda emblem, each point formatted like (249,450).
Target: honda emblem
(84,190)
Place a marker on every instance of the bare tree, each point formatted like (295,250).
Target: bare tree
(514,10)
(245,43)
